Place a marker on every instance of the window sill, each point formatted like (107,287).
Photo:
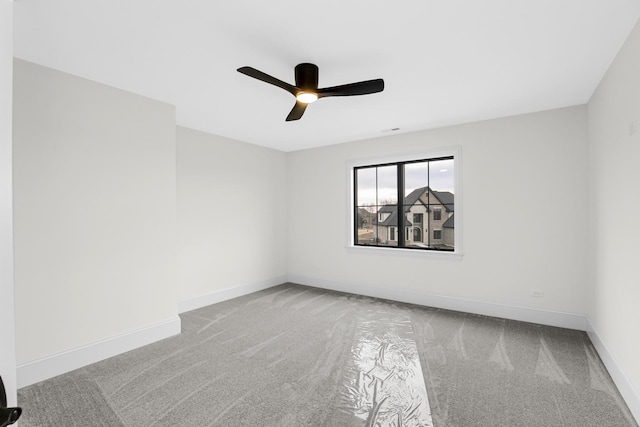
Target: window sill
(418,253)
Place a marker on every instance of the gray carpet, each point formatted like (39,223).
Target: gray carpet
(300,356)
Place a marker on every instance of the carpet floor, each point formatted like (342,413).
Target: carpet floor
(299,356)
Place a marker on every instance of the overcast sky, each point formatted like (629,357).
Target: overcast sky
(436,174)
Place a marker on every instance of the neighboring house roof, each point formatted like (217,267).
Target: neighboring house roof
(414,197)
(446,198)
(410,200)
(392,220)
(449,223)
(365,213)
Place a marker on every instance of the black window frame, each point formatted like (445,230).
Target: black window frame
(401,237)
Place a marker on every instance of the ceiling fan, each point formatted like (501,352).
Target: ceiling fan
(306,88)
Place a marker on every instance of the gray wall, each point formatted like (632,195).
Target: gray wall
(231,214)
(95,211)
(121,215)
(7,328)
(615,204)
(524,219)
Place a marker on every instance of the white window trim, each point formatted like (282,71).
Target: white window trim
(457,254)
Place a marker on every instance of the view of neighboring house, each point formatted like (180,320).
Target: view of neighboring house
(429,220)
(365,218)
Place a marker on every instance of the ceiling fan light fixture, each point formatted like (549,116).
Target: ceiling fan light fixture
(307,97)
(306,88)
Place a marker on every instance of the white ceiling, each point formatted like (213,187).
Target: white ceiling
(444,62)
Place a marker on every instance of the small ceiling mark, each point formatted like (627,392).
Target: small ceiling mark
(390,130)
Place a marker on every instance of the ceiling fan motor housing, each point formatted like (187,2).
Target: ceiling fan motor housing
(307,77)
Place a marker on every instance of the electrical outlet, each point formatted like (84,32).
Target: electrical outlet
(537,293)
(633,127)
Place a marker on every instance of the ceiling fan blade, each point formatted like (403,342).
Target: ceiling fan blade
(360,88)
(297,111)
(257,74)
(306,76)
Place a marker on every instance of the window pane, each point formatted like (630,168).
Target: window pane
(387,220)
(416,176)
(365,225)
(441,182)
(387,185)
(366,187)
(448,232)
(416,181)
(441,175)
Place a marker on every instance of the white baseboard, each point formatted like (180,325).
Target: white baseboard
(626,387)
(228,293)
(66,361)
(524,314)
(50,366)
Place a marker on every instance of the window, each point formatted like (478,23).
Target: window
(399,194)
